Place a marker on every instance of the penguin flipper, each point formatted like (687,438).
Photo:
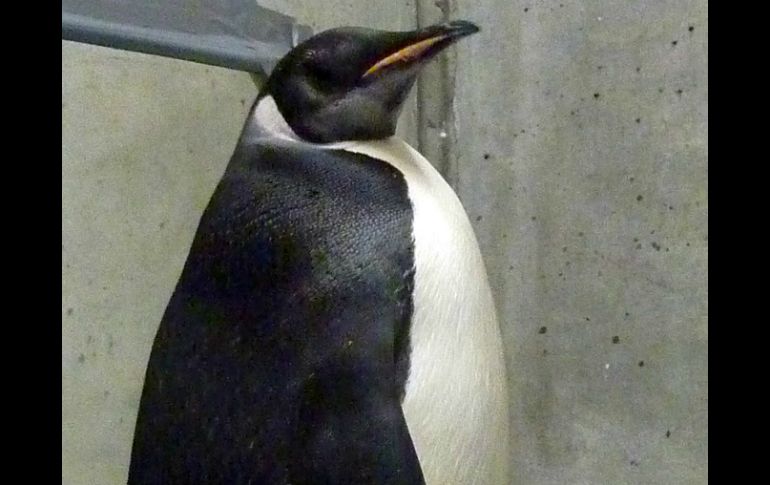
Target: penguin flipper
(282,356)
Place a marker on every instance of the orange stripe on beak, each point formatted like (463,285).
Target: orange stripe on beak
(406,54)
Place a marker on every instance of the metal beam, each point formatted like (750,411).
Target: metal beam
(236,34)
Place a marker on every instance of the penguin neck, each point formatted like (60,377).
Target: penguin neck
(266,122)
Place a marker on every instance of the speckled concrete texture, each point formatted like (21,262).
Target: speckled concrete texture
(581,157)
(578,145)
(144,142)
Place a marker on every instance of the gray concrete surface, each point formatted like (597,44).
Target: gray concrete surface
(581,157)
(577,140)
(144,142)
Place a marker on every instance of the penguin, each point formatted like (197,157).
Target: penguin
(333,322)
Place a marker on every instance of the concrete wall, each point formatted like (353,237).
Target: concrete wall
(581,157)
(144,142)
(577,139)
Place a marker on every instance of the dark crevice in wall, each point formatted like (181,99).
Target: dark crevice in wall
(435,96)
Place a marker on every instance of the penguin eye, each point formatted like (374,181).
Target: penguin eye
(317,71)
(323,76)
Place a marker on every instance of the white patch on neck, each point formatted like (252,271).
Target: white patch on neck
(456,402)
(267,122)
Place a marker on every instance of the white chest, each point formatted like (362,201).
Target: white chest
(456,399)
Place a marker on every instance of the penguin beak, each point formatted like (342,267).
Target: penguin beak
(422,45)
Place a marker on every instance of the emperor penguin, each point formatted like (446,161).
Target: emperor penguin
(333,322)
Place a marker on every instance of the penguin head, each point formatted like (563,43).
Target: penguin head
(350,83)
